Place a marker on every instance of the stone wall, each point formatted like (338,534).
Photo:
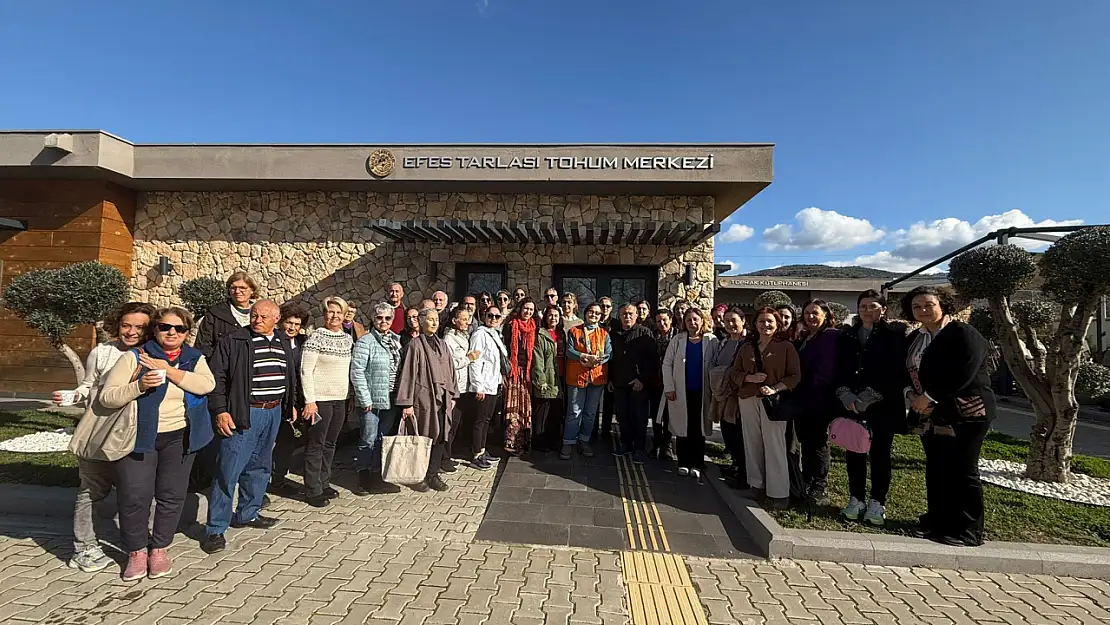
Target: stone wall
(304,245)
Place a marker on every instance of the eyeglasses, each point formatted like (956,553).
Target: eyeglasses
(552,296)
(606,305)
(238,288)
(518,294)
(412,317)
(493,316)
(166,327)
(384,318)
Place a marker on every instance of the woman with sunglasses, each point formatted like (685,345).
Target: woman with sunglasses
(412,326)
(127,326)
(504,301)
(167,380)
(486,377)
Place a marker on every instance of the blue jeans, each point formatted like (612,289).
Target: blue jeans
(373,425)
(582,405)
(244,460)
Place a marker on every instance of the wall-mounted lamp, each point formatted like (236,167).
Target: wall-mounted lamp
(164,266)
(689,274)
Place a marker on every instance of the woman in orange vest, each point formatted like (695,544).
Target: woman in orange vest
(588,352)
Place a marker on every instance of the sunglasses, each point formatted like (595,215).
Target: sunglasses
(493,316)
(384,318)
(166,327)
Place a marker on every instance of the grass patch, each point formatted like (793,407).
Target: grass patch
(47,469)
(1011,515)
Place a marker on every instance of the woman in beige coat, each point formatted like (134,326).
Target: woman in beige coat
(686,366)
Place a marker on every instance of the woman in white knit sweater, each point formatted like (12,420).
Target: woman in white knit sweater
(325,363)
(127,327)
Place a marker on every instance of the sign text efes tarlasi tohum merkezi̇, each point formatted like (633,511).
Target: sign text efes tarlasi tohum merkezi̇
(558,162)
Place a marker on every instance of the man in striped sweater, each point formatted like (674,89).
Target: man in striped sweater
(257,385)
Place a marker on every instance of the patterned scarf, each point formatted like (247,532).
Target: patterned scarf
(522,335)
(389,341)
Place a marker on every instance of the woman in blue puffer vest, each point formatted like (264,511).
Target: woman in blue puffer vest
(168,381)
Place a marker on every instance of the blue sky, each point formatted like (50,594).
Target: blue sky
(902,129)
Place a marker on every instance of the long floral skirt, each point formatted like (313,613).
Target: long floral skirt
(518,416)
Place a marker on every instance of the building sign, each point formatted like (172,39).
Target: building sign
(557,162)
(764,283)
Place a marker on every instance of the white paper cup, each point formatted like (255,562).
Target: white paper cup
(161,374)
(68,398)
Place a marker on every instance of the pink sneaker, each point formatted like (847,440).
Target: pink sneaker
(136,566)
(160,565)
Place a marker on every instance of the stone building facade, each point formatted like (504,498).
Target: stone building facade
(310,245)
(308,221)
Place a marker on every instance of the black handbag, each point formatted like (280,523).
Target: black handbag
(782,405)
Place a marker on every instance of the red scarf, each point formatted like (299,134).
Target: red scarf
(522,335)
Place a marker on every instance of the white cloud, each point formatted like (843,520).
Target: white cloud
(736,233)
(821,230)
(924,242)
(882,260)
(733,266)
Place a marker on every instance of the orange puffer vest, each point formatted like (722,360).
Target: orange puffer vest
(577,374)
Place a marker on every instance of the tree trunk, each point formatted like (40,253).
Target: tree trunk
(74,361)
(1050,446)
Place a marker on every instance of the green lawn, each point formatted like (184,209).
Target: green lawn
(49,469)
(1011,515)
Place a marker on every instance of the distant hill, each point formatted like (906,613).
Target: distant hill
(823,271)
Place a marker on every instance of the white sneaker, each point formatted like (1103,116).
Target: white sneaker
(696,474)
(854,510)
(90,560)
(876,514)
(683,471)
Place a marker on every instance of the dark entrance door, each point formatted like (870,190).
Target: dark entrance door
(474,278)
(623,283)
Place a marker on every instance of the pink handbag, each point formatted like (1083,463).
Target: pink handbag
(850,434)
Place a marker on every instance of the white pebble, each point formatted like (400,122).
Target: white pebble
(39,442)
(1081,489)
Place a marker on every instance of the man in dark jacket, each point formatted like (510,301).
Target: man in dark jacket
(256,388)
(294,317)
(634,366)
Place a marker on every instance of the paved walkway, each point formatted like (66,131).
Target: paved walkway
(420,558)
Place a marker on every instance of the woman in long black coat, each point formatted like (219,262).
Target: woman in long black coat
(951,397)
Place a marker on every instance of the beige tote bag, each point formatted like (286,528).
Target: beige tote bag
(106,433)
(405,457)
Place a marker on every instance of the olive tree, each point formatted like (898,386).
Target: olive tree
(55,301)
(200,294)
(1076,273)
(773,299)
(840,312)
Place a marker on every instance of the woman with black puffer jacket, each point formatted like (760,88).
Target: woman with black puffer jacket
(870,378)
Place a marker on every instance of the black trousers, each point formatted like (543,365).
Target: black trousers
(435,459)
(161,475)
(953,489)
(882,440)
(286,445)
(608,409)
(813,433)
(547,423)
(632,415)
(661,430)
(483,413)
(733,434)
(319,449)
(690,449)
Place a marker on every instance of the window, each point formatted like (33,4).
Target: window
(623,284)
(478,277)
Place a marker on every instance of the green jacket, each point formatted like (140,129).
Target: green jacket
(545,374)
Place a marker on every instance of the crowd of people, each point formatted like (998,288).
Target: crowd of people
(524,376)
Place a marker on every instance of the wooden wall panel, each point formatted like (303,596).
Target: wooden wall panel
(68,221)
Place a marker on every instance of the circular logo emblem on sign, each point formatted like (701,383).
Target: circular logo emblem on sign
(380,163)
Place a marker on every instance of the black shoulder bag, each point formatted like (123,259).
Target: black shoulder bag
(780,406)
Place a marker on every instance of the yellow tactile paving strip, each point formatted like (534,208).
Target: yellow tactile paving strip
(659,588)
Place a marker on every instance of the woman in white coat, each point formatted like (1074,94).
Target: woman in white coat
(686,366)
